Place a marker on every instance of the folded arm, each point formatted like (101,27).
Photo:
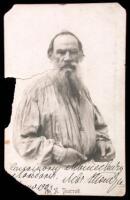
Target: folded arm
(26,140)
(32,145)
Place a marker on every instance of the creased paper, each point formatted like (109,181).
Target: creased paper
(101,28)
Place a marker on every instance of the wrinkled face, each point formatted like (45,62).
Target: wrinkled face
(66,53)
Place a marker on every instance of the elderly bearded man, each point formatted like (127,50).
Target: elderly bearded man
(56,121)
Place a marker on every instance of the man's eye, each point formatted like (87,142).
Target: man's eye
(74,52)
(61,52)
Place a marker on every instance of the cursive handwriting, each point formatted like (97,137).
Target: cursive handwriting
(112,179)
(92,173)
(74,178)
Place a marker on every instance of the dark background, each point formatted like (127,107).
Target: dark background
(9,187)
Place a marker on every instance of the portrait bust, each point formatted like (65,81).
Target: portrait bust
(56,120)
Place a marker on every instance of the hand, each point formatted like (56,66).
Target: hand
(58,153)
(72,156)
(104,151)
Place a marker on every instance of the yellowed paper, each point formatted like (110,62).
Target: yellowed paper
(101,29)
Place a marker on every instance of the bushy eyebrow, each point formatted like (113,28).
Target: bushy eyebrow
(64,50)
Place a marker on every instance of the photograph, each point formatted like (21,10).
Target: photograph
(67,130)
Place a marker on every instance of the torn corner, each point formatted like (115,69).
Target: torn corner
(9,84)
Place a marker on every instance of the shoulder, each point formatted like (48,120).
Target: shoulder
(39,83)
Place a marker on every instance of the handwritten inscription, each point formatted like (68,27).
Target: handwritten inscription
(53,179)
(112,179)
(47,188)
(73,178)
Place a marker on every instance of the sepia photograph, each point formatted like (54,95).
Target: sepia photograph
(67,129)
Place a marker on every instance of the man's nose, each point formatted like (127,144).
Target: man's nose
(67,56)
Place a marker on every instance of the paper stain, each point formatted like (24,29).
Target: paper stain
(7,141)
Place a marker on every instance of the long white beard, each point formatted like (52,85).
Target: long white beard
(69,84)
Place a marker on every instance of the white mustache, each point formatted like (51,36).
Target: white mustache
(71,65)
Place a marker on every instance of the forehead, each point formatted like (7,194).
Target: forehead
(63,41)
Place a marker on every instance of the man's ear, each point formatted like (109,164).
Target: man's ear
(51,57)
(81,56)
